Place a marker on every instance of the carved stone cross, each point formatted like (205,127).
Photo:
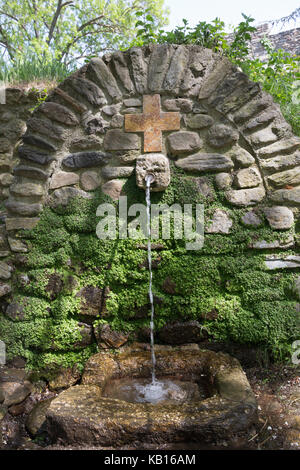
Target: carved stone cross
(152,122)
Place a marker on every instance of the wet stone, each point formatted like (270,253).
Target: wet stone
(108,338)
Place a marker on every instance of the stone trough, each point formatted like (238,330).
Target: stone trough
(83,415)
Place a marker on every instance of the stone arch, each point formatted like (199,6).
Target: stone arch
(80,129)
(230,130)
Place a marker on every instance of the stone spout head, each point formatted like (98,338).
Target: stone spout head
(157,165)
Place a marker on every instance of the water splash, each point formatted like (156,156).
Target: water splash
(149,179)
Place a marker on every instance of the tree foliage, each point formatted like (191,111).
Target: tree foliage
(70,30)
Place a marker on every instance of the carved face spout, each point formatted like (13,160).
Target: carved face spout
(157,165)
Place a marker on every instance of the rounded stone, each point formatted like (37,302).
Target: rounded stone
(90,180)
(251,219)
(279,217)
(224,180)
(113,188)
(221,135)
(248,178)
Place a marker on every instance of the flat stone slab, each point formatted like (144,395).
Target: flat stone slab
(205,162)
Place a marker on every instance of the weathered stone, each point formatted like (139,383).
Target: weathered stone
(289,177)
(88,90)
(17,246)
(132,111)
(65,378)
(204,187)
(280,163)
(223,180)
(184,142)
(63,178)
(86,143)
(297,287)
(182,333)
(36,420)
(221,135)
(156,165)
(233,92)
(62,196)
(117,121)
(83,414)
(86,160)
(251,219)
(37,157)
(267,245)
(45,127)
(121,67)
(6,179)
(27,189)
(176,70)
(253,107)
(221,67)
(86,333)
(91,301)
(23,209)
(59,113)
(31,172)
(132,102)
(39,142)
(242,157)
(110,172)
(158,66)
(139,69)
(279,218)
(248,178)
(179,104)
(108,338)
(199,121)
(220,223)
(15,311)
(246,197)
(279,148)
(264,117)
(5,145)
(90,180)
(67,99)
(205,162)
(13,393)
(262,137)
(288,262)
(4,289)
(94,124)
(286,196)
(100,73)
(5,271)
(199,66)
(113,188)
(111,109)
(21,223)
(115,139)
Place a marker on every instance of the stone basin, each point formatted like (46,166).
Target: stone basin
(83,415)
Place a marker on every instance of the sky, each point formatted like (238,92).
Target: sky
(230,11)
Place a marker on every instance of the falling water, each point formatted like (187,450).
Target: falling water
(149,179)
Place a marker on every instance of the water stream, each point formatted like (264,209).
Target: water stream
(149,180)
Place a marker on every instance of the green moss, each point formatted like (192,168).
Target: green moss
(225,278)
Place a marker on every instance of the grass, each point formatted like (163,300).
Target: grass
(32,69)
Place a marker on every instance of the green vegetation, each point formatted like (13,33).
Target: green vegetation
(48,40)
(224,286)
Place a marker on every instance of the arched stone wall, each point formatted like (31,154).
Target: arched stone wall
(230,130)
